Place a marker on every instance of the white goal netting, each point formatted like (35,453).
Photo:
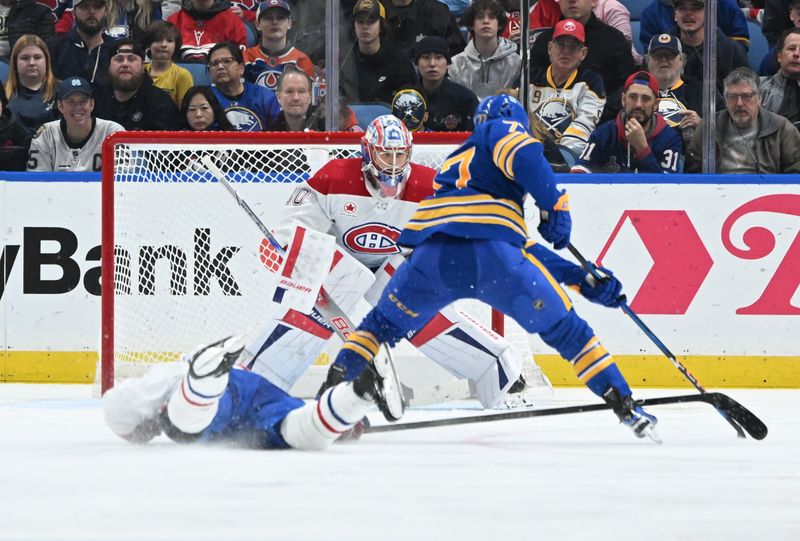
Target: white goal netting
(187,261)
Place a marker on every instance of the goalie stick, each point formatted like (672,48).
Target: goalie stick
(326,306)
(756,428)
(736,415)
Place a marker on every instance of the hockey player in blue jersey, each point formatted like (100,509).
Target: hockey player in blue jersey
(638,140)
(469,240)
(203,399)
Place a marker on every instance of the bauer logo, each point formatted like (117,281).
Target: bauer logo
(372,238)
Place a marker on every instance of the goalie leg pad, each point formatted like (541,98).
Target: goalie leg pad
(318,424)
(467,349)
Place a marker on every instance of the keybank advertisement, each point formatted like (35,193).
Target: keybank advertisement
(713,269)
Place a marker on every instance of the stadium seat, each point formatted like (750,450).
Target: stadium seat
(758,45)
(367,112)
(635,27)
(199,72)
(636,7)
(3,71)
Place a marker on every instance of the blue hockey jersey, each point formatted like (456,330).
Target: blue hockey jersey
(255,110)
(480,188)
(609,152)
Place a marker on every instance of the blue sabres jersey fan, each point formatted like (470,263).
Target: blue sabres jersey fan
(254,110)
(479,195)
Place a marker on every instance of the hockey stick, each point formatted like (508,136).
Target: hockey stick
(338,320)
(717,400)
(752,424)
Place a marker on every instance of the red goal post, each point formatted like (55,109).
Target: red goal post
(185,267)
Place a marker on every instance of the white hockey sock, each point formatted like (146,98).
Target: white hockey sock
(318,424)
(193,405)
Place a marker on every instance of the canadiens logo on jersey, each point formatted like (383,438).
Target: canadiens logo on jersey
(372,238)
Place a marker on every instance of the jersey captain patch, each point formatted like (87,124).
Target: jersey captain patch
(372,238)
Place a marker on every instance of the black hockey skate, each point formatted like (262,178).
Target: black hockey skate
(379,382)
(632,415)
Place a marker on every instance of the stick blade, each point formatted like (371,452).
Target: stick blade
(740,414)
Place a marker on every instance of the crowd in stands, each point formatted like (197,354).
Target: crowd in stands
(607,92)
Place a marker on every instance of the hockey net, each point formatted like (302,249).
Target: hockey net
(186,265)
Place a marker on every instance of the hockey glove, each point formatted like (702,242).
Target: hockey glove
(556,224)
(607,291)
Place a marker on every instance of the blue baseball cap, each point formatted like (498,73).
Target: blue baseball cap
(71,85)
(665,41)
(270,4)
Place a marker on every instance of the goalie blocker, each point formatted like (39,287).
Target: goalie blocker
(289,343)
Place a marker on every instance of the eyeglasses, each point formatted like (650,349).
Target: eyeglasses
(746,97)
(568,45)
(225,62)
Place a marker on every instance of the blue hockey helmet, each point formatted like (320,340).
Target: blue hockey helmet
(386,153)
(501,106)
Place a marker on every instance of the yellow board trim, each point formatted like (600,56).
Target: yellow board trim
(640,370)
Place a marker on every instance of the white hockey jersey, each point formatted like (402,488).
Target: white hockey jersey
(336,201)
(51,151)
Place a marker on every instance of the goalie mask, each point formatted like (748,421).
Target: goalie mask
(386,151)
(410,106)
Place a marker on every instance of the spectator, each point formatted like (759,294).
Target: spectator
(203,23)
(409,105)
(781,93)
(690,16)
(162,41)
(134,18)
(374,70)
(565,99)
(130,98)
(14,138)
(489,62)
(638,140)
(5,47)
(749,138)
(659,18)
(608,51)
(769,64)
(201,111)
(679,100)
(248,107)
(75,142)
(450,105)
(294,96)
(31,84)
(513,27)
(28,17)
(546,13)
(84,51)
(777,18)
(265,62)
(410,19)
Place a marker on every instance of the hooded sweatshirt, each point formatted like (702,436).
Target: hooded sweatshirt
(486,75)
(200,31)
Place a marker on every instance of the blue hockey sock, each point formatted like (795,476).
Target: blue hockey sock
(595,367)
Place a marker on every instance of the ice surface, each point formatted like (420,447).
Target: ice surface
(584,477)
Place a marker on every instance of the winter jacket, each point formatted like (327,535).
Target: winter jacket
(659,18)
(29,17)
(776,20)
(450,107)
(375,77)
(423,18)
(486,75)
(200,31)
(71,58)
(149,109)
(730,56)
(777,147)
(773,91)
(609,55)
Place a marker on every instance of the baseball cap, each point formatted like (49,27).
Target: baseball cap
(128,46)
(570,27)
(676,2)
(642,78)
(431,44)
(665,41)
(372,7)
(269,4)
(71,85)
(76,2)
